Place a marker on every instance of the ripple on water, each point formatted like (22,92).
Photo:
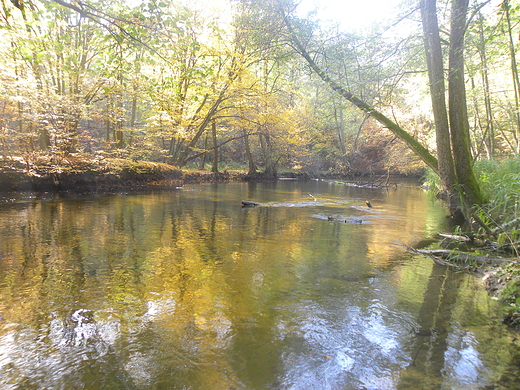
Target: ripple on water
(362,348)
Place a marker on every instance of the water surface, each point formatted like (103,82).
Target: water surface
(188,290)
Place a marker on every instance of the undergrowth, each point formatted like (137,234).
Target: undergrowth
(500,184)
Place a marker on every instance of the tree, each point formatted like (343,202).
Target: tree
(458,113)
(425,155)
(481,94)
(435,64)
(452,126)
(506,7)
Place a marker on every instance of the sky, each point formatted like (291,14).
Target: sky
(351,14)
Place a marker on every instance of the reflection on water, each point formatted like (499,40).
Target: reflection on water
(188,290)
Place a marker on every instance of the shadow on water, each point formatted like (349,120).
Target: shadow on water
(188,290)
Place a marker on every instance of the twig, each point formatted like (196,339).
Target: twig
(481,223)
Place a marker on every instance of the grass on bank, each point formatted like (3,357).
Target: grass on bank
(500,185)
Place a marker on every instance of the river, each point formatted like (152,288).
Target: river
(189,290)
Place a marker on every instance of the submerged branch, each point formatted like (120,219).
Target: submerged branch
(459,259)
(462,258)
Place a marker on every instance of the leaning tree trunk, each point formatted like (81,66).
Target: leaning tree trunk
(398,131)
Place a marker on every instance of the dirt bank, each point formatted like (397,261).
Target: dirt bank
(80,174)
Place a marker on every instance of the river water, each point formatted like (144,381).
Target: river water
(188,290)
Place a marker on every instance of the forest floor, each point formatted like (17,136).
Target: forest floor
(78,174)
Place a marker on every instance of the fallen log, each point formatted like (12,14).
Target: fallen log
(506,226)
(469,238)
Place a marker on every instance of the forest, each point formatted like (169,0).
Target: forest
(222,84)
(259,86)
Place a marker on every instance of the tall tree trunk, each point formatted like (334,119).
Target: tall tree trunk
(434,60)
(514,71)
(267,150)
(458,113)
(214,167)
(202,164)
(249,155)
(489,136)
(108,121)
(133,116)
(119,133)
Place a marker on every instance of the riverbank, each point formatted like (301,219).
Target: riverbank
(503,283)
(83,174)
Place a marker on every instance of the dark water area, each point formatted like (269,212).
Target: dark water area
(189,290)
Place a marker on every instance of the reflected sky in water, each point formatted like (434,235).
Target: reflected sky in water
(189,290)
